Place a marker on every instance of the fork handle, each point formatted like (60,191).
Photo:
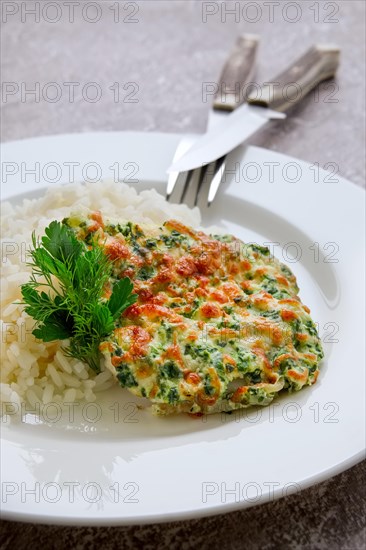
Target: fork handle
(236,74)
(290,87)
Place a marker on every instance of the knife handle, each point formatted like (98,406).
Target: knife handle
(236,74)
(290,87)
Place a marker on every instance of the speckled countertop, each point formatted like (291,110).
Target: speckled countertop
(161,53)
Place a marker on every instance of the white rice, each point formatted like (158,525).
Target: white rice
(37,373)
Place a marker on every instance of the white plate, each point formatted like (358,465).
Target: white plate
(143,469)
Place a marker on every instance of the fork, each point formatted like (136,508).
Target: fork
(230,93)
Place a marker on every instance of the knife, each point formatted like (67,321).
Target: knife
(283,92)
(229,94)
(235,77)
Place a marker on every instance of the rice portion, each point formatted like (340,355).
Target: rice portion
(34,372)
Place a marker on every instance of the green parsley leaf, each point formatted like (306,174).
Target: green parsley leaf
(121,297)
(74,307)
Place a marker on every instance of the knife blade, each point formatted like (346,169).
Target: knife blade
(286,90)
(229,94)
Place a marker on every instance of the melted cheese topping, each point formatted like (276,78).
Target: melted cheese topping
(218,324)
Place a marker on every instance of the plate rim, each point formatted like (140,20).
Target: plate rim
(190,514)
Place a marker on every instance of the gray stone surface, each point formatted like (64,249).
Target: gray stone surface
(162,61)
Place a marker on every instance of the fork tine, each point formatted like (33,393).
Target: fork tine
(216,180)
(182,148)
(201,179)
(186,185)
(172,180)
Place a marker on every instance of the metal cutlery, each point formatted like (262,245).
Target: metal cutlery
(230,93)
(283,92)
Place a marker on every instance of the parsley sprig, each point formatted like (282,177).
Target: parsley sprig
(68,302)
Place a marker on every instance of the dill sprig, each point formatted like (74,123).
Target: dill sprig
(68,304)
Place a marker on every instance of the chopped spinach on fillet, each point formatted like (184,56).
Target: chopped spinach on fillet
(125,376)
(170,370)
